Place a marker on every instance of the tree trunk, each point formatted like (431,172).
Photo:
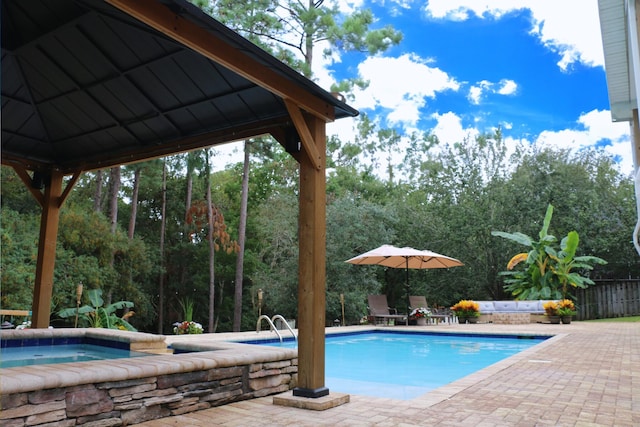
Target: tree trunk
(114,181)
(242,226)
(210,239)
(134,202)
(190,167)
(97,197)
(113,205)
(163,223)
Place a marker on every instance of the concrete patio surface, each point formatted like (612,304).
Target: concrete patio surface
(588,374)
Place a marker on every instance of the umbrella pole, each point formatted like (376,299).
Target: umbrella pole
(406,288)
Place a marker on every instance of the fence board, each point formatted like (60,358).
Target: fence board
(609,298)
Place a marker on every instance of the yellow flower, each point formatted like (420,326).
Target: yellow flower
(566,303)
(466,306)
(550,307)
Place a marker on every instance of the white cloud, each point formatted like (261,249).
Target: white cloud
(504,87)
(405,94)
(507,87)
(596,127)
(476,91)
(569,27)
(449,128)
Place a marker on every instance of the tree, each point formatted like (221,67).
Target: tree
(285,27)
(242,227)
(208,223)
(163,223)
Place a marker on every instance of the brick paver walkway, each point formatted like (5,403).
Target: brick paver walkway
(588,375)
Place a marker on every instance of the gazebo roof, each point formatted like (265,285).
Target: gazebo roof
(88,85)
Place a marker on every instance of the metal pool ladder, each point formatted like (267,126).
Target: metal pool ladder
(271,321)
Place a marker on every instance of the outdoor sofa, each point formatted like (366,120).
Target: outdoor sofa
(499,311)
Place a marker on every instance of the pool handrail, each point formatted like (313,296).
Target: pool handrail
(271,325)
(278,316)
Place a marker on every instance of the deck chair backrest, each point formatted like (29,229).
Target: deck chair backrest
(378,305)
(418,301)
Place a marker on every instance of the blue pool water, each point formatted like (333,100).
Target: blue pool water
(38,355)
(407,365)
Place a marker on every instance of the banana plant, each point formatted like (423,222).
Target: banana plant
(97,316)
(548,271)
(566,261)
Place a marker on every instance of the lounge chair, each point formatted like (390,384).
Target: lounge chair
(379,310)
(416,301)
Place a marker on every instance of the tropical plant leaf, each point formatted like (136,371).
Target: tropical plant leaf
(111,308)
(516,237)
(71,312)
(95,296)
(569,245)
(547,221)
(590,259)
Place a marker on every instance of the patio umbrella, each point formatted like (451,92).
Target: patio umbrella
(394,257)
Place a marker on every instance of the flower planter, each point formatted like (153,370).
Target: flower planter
(421,321)
(554,319)
(466,319)
(566,319)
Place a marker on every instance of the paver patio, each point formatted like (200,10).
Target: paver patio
(587,375)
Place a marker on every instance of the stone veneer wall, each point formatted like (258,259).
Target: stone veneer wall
(143,388)
(133,401)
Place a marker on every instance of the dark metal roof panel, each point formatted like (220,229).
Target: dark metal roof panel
(83,81)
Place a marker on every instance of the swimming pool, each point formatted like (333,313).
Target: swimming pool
(39,355)
(404,365)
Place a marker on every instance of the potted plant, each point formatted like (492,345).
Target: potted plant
(566,310)
(420,314)
(467,311)
(551,310)
(187,326)
(180,328)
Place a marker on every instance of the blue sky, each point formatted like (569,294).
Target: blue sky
(464,67)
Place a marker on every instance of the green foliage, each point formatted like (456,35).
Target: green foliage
(187,305)
(97,315)
(18,250)
(548,272)
(354,226)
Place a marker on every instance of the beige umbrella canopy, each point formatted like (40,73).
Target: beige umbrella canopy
(391,256)
(394,257)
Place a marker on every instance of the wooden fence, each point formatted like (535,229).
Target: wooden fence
(609,298)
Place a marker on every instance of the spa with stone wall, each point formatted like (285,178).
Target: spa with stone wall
(128,391)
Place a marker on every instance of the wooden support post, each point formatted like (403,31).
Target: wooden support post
(47,251)
(311,275)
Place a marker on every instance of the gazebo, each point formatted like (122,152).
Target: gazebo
(91,84)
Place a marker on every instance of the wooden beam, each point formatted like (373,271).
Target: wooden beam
(45,263)
(68,188)
(161,18)
(311,270)
(27,180)
(305,134)
(149,152)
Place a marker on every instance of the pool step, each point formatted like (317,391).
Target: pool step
(156,350)
(155,347)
